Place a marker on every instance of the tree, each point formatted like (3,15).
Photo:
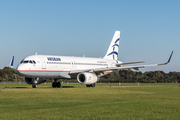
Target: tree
(7,70)
(6,77)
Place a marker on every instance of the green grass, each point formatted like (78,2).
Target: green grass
(104,102)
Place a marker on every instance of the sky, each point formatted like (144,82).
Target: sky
(150,30)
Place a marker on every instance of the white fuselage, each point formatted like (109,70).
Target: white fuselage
(48,66)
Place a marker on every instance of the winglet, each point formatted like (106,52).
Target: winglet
(168,59)
(11,62)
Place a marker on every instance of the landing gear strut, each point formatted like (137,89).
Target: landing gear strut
(90,85)
(34,83)
(56,84)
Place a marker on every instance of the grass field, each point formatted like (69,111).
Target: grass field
(104,102)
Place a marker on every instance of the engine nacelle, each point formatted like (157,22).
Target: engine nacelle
(87,78)
(30,80)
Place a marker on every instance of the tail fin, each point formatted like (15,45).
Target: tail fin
(11,62)
(112,53)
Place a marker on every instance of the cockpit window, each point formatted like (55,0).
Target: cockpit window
(25,61)
(28,61)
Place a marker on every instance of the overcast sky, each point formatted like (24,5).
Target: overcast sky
(150,30)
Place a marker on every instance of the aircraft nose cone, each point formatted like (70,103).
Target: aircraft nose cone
(20,69)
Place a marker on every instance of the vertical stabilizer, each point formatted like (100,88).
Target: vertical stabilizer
(112,53)
(11,62)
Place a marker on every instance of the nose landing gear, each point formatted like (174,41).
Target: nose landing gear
(34,83)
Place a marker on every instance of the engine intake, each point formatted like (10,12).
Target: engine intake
(28,80)
(87,78)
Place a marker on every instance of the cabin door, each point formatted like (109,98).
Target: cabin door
(73,64)
(43,63)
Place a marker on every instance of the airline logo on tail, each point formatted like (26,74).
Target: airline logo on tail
(114,52)
(11,62)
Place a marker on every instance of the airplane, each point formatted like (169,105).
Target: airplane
(37,68)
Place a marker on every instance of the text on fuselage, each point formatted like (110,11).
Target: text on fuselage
(53,59)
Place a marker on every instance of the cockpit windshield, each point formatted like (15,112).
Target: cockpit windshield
(28,61)
(25,61)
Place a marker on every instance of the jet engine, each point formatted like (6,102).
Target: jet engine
(87,78)
(30,80)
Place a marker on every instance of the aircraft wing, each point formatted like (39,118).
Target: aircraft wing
(133,67)
(119,64)
(119,68)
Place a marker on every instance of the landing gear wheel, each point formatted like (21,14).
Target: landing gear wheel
(58,84)
(93,85)
(90,85)
(54,84)
(34,85)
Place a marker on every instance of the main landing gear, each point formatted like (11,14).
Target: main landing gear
(56,84)
(90,85)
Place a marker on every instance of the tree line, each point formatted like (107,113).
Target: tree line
(130,76)
(8,74)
